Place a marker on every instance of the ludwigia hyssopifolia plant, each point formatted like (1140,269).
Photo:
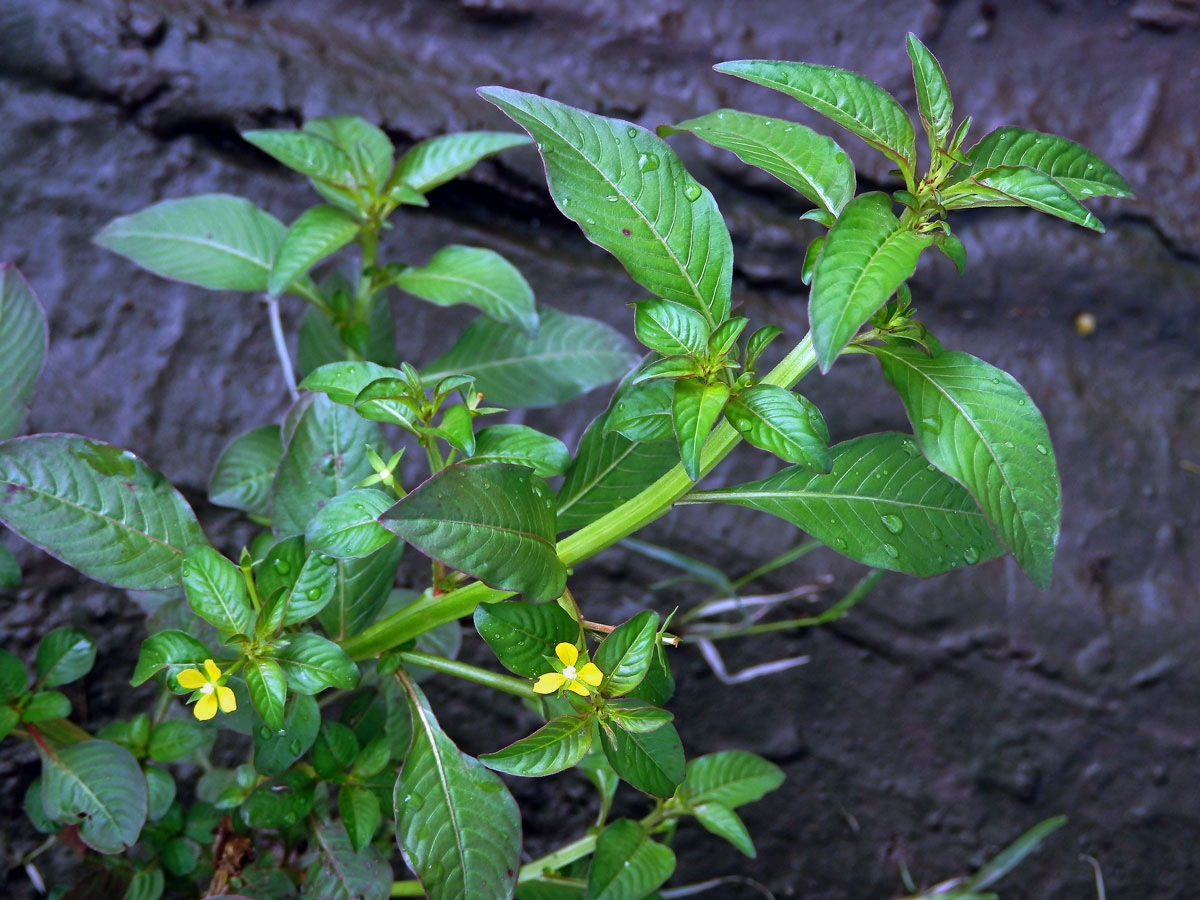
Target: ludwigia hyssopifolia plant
(292,750)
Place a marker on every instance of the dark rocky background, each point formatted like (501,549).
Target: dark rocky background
(941,718)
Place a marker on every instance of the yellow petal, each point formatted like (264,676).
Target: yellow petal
(549,683)
(567,653)
(210,667)
(191,679)
(226,699)
(591,674)
(206,707)
(578,687)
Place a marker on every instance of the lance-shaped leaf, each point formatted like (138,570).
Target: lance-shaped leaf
(360,590)
(457,825)
(559,744)
(633,714)
(853,101)
(64,655)
(245,470)
(731,778)
(23,342)
(306,153)
(326,456)
(318,233)
(268,690)
(1074,167)
(492,521)
(801,158)
(176,738)
(340,872)
(347,526)
(670,328)
(359,809)
(98,787)
(880,503)
(477,277)
(643,412)
(624,656)
(631,195)
(650,761)
(275,752)
(97,508)
(694,411)
(366,144)
(724,822)
(627,863)
(168,649)
(933,93)
(569,356)
(1020,186)
(523,635)
(520,445)
(979,426)
(437,160)
(216,591)
(867,255)
(293,585)
(216,241)
(312,663)
(783,423)
(343,381)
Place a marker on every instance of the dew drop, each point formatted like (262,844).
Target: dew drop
(692,191)
(566,201)
(840,543)
(631,131)
(325,560)
(186,572)
(314,594)
(359,507)
(891,551)
(971,555)
(909,450)
(931,423)
(935,534)
(282,566)
(590,220)
(892,523)
(1009,444)
(1040,448)
(647,162)
(995,381)
(281,732)
(414,801)
(612,198)
(264,732)
(295,748)
(839,158)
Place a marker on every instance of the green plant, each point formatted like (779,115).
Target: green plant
(323,789)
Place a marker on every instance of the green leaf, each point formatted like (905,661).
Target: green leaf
(650,761)
(979,426)
(388,400)
(46,705)
(245,470)
(570,356)
(494,522)
(627,864)
(326,456)
(759,341)
(340,873)
(97,786)
(880,504)
(624,656)
(160,792)
(607,470)
(176,738)
(783,423)
(321,342)
(97,508)
(457,825)
(318,233)
(268,689)
(9,718)
(275,752)
(306,153)
(722,340)
(1010,857)
(346,527)
(145,885)
(809,162)
(643,412)
(168,648)
(216,591)
(343,381)
(359,808)
(367,146)
(431,163)
(520,445)
(361,589)
(1020,186)
(10,569)
(14,678)
(671,329)
(632,714)
(523,635)
(867,255)
(64,655)
(216,241)
(954,249)
(559,744)
(694,412)
(853,101)
(811,255)
(477,277)
(724,822)
(334,751)
(23,344)
(631,195)
(295,586)
(730,778)
(933,94)
(312,663)
(1074,167)
(456,429)
(670,367)
(279,803)
(179,856)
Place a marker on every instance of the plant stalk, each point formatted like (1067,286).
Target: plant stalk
(518,687)
(281,350)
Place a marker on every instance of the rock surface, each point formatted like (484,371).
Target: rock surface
(941,718)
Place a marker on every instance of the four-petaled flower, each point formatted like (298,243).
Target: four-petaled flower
(212,692)
(579,680)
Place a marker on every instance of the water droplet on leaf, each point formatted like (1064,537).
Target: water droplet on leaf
(891,551)
(647,162)
(1040,448)
(971,555)
(892,523)
(692,191)
(282,566)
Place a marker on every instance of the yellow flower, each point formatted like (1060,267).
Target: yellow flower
(212,692)
(573,679)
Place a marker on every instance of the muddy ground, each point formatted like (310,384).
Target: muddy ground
(941,718)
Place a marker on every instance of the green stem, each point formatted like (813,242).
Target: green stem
(508,684)
(778,562)
(365,296)
(428,612)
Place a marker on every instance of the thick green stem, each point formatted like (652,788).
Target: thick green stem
(517,686)
(428,612)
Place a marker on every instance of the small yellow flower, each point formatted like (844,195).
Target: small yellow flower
(212,692)
(579,680)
